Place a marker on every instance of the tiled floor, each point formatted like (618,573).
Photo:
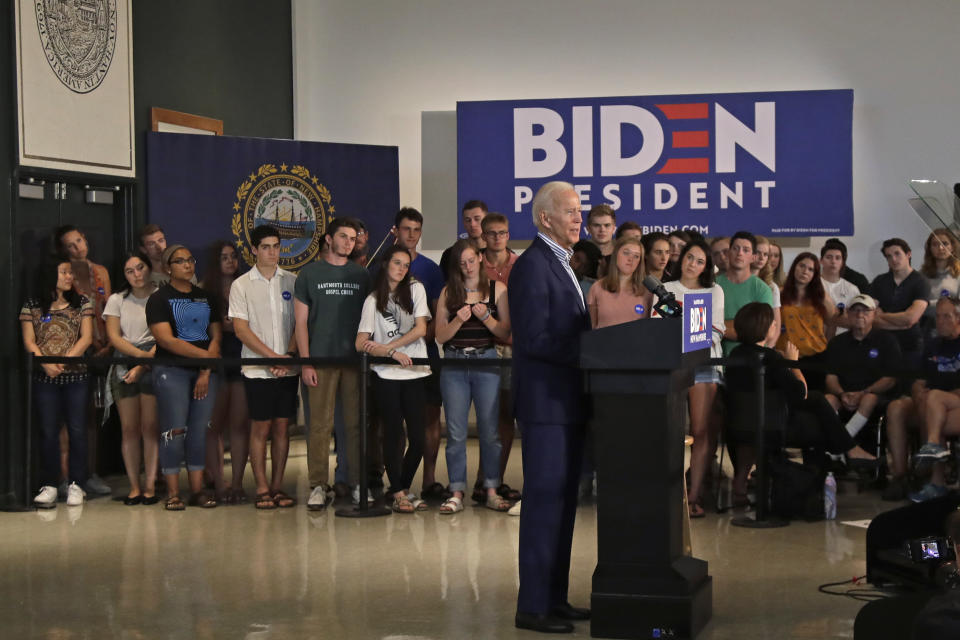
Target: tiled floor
(109,571)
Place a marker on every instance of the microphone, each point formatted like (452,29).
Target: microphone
(667,304)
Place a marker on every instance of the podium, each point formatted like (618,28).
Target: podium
(643,586)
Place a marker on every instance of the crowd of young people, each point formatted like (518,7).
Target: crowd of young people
(402,306)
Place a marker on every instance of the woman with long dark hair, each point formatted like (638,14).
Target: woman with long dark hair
(185,321)
(695,275)
(230,413)
(471,312)
(806,308)
(59,322)
(132,388)
(393,324)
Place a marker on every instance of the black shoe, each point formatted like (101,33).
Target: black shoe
(148,500)
(130,501)
(542,622)
(567,611)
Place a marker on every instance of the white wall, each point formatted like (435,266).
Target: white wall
(365,70)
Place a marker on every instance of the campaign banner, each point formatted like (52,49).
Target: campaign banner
(201,189)
(774,163)
(697,327)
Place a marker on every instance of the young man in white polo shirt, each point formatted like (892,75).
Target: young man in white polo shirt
(261,307)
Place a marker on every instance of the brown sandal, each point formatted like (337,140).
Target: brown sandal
(265,501)
(403,504)
(174,503)
(283,501)
(202,499)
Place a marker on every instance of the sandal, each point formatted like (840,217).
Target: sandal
(283,500)
(202,499)
(696,510)
(418,504)
(265,501)
(453,504)
(174,503)
(402,504)
(508,493)
(496,503)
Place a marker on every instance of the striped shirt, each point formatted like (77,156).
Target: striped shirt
(564,255)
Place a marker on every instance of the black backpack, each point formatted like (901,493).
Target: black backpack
(797,489)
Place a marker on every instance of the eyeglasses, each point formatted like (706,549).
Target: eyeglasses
(190,260)
(496,234)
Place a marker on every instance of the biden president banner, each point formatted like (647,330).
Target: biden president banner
(201,189)
(776,163)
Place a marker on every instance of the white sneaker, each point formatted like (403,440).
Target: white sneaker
(356,495)
(75,495)
(318,498)
(47,498)
(515,509)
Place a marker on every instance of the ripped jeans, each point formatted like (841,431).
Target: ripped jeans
(183,420)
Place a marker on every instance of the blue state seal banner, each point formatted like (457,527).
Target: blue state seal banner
(201,189)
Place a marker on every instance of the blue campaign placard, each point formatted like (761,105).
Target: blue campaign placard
(774,163)
(697,323)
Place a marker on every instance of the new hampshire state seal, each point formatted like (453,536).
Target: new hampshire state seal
(294,201)
(78,39)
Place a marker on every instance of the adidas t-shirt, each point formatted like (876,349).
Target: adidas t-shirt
(394,323)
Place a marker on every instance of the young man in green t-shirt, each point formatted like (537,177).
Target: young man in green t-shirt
(740,287)
(329,296)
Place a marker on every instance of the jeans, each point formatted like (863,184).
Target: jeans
(177,409)
(66,402)
(459,386)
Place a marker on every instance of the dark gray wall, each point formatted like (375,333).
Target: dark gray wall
(226,59)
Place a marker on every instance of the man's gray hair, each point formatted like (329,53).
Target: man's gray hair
(953,301)
(546,198)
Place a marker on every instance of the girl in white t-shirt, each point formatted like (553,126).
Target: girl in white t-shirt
(131,387)
(392,325)
(696,276)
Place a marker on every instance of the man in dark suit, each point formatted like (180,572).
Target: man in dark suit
(548,315)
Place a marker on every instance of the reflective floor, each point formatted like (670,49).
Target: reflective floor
(105,570)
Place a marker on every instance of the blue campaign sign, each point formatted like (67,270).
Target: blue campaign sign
(775,163)
(697,327)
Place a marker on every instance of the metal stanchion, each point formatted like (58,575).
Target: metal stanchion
(363,510)
(760,519)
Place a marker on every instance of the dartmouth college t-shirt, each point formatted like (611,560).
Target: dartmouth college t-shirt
(188,314)
(335,295)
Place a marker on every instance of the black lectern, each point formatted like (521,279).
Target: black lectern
(643,586)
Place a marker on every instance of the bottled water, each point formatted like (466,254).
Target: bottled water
(830,497)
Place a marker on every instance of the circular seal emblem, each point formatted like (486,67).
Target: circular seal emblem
(286,295)
(944,293)
(639,309)
(294,201)
(874,353)
(841,306)
(78,39)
